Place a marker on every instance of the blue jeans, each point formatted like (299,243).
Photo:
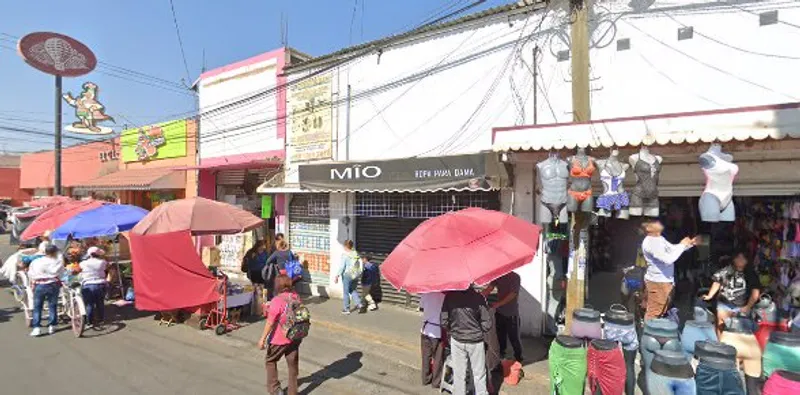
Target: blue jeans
(350,288)
(713,381)
(94,296)
(662,385)
(695,331)
(41,293)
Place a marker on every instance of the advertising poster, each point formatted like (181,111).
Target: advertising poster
(160,141)
(310,114)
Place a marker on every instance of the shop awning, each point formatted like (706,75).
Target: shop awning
(138,180)
(276,184)
(737,124)
(478,172)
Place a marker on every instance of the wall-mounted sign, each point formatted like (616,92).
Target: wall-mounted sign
(446,173)
(89,111)
(107,156)
(310,132)
(161,141)
(56,54)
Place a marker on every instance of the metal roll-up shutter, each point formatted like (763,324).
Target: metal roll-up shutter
(377,237)
(383,220)
(231,177)
(309,235)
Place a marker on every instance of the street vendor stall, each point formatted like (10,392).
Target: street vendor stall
(169,273)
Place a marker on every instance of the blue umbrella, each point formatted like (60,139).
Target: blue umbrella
(107,220)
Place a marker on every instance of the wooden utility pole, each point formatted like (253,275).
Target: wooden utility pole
(581,112)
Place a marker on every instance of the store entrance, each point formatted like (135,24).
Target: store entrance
(765,229)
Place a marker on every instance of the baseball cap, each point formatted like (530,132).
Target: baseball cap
(95,251)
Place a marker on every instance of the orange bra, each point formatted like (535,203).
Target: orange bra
(581,172)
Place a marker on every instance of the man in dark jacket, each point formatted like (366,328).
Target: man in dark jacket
(466,318)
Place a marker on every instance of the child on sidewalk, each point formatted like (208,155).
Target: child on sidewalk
(370,278)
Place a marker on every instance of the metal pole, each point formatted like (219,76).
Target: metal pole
(578,235)
(535,85)
(57,186)
(347,131)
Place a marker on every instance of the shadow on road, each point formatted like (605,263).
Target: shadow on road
(5,314)
(337,370)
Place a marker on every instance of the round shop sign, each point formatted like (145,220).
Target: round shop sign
(56,54)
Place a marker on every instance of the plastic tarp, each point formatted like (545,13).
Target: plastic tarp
(168,274)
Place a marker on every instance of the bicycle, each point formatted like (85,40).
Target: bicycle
(72,307)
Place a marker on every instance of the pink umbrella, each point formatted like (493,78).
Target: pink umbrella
(57,215)
(198,215)
(454,250)
(49,201)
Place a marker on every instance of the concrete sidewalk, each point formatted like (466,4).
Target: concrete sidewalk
(393,333)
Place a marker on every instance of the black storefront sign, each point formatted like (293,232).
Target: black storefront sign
(447,173)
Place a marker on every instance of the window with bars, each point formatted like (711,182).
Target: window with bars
(421,205)
(310,205)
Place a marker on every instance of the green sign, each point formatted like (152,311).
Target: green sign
(161,141)
(266,206)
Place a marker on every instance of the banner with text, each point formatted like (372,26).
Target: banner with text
(310,114)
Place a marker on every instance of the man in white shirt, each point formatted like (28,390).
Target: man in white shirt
(45,274)
(432,347)
(660,256)
(93,285)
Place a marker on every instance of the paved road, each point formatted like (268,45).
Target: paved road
(136,356)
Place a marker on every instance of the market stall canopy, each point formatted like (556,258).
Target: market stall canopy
(200,216)
(478,172)
(57,216)
(737,124)
(138,180)
(454,250)
(106,220)
(49,201)
(168,273)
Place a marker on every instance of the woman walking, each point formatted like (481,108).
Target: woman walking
(350,273)
(276,343)
(93,285)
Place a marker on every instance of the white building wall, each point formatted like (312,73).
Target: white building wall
(731,61)
(241,129)
(443,94)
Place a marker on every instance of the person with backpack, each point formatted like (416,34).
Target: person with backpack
(370,280)
(276,265)
(350,271)
(288,323)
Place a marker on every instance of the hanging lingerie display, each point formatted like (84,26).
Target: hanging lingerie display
(645,193)
(614,198)
(578,171)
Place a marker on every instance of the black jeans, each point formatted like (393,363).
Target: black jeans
(630,378)
(432,361)
(508,328)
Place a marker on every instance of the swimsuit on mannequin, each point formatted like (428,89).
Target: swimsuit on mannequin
(614,197)
(716,201)
(581,168)
(644,197)
(553,176)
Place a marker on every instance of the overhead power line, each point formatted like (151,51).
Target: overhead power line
(180,42)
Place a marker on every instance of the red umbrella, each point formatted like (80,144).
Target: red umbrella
(200,216)
(57,215)
(453,250)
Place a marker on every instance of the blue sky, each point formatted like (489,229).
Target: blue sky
(140,36)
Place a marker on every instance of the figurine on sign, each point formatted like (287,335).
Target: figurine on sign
(716,202)
(553,176)
(581,167)
(644,197)
(148,142)
(88,110)
(614,197)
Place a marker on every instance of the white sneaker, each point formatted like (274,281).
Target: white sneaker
(36,332)
(51,330)
(373,307)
